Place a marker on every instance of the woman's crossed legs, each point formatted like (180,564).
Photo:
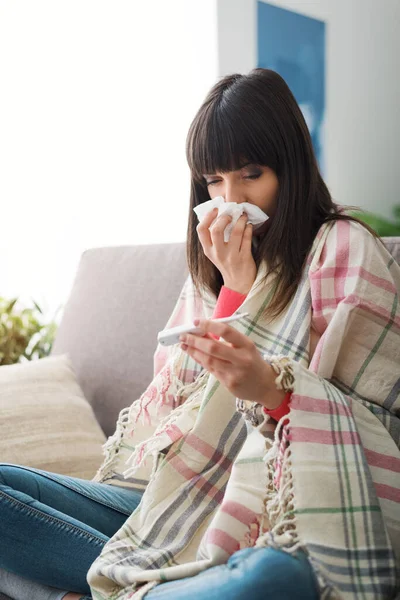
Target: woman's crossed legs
(53,527)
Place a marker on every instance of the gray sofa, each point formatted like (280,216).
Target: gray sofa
(121,297)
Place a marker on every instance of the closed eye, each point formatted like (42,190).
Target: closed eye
(255,176)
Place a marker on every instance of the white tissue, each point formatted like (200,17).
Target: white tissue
(255,215)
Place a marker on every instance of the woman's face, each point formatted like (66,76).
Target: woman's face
(252,183)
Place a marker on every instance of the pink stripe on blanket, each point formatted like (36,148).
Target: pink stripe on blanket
(317,436)
(387,492)
(341,258)
(200,482)
(320,406)
(361,303)
(238,512)
(201,446)
(181,467)
(223,540)
(376,459)
(343,272)
(173,432)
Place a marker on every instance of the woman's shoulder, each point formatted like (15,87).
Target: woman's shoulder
(344,241)
(344,232)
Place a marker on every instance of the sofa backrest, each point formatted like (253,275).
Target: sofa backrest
(121,297)
(393,245)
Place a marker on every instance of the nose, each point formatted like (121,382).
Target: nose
(233,193)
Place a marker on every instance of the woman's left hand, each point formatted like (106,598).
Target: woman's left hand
(235,362)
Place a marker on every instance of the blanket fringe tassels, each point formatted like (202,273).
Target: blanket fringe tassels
(279,501)
(163,436)
(279,498)
(168,383)
(279,505)
(110,447)
(129,414)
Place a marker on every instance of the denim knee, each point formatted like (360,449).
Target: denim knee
(268,568)
(12,474)
(3,466)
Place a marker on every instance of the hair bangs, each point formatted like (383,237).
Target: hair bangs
(219,142)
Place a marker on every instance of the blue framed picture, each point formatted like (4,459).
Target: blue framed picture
(294,46)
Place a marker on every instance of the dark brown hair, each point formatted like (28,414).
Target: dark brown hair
(255,118)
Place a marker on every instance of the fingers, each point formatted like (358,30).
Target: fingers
(245,246)
(211,355)
(228,333)
(218,228)
(203,229)
(211,232)
(217,232)
(206,347)
(238,232)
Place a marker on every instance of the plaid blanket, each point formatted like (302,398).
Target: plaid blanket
(219,475)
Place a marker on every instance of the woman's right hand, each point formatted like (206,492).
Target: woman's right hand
(233,259)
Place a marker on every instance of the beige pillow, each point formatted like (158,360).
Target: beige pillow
(45,421)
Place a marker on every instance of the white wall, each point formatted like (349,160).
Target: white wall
(96,99)
(363,89)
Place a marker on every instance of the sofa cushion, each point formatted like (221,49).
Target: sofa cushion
(46,423)
(121,297)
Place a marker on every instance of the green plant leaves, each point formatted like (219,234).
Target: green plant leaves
(9,305)
(382,226)
(24,334)
(37,306)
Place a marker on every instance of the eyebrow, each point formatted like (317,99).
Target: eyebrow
(242,167)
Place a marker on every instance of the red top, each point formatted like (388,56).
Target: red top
(229,301)
(281,410)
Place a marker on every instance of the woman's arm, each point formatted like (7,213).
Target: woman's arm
(228,302)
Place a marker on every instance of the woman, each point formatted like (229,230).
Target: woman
(268,451)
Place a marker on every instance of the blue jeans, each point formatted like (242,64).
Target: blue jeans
(53,527)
